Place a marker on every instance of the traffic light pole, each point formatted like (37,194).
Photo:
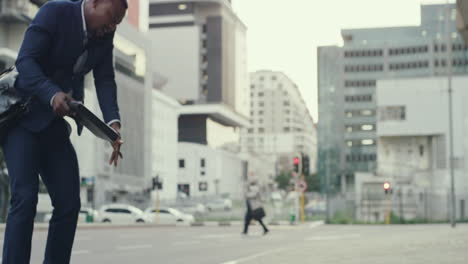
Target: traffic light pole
(157,206)
(387,215)
(302,201)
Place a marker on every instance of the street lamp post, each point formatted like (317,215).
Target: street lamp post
(450,102)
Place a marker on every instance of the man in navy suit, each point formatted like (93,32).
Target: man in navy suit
(65,41)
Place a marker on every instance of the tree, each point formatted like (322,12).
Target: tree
(283,180)
(313,182)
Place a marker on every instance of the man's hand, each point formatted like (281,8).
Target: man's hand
(60,104)
(116,145)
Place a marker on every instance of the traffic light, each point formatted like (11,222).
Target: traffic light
(157,184)
(305,165)
(296,162)
(386,187)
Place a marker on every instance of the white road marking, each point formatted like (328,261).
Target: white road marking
(81,252)
(217,236)
(316,224)
(133,247)
(238,261)
(184,243)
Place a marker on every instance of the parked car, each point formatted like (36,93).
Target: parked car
(219,205)
(168,216)
(82,216)
(196,209)
(315,207)
(121,214)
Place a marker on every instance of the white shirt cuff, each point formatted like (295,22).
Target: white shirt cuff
(113,121)
(52,100)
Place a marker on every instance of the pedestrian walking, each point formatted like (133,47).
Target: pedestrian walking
(65,41)
(255,208)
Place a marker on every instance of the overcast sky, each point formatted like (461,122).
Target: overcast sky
(283,35)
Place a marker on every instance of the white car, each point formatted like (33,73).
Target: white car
(168,216)
(196,209)
(82,216)
(121,214)
(219,205)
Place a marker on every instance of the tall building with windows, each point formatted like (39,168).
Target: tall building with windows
(280,123)
(347,77)
(200,46)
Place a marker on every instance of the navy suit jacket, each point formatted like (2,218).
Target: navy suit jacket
(52,44)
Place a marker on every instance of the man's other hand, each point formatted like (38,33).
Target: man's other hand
(116,146)
(60,103)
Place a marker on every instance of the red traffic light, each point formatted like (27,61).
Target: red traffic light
(386,186)
(296,161)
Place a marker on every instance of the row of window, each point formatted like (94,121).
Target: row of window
(455,62)
(395,67)
(361,157)
(409,65)
(262,78)
(364,53)
(357,128)
(260,130)
(364,68)
(359,113)
(280,86)
(392,113)
(455,47)
(182,163)
(362,142)
(285,129)
(402,50)
(358,98)
(360,83)
(408,50)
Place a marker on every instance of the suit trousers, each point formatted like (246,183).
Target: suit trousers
(50,154)
(249,217)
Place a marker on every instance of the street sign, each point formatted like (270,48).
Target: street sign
(302,186)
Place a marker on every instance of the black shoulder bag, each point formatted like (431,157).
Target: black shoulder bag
(12,106)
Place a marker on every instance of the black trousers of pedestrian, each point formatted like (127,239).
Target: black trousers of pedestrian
(249,217)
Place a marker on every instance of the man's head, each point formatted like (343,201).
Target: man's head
(103,16)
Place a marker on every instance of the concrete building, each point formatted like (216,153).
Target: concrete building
(413,150)
(134,81)
(261,168)
(206,172)
(280,123)
(200,47)
(347,80)
(462,18)
(164,141)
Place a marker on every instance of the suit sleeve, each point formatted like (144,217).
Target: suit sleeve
(106,88)
(36,44)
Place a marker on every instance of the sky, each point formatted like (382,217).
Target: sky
(283,35)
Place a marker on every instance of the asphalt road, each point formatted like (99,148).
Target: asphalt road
(416,244)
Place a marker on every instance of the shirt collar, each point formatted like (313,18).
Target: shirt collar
(84,20)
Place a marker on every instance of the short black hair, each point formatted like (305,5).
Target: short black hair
(124,3)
